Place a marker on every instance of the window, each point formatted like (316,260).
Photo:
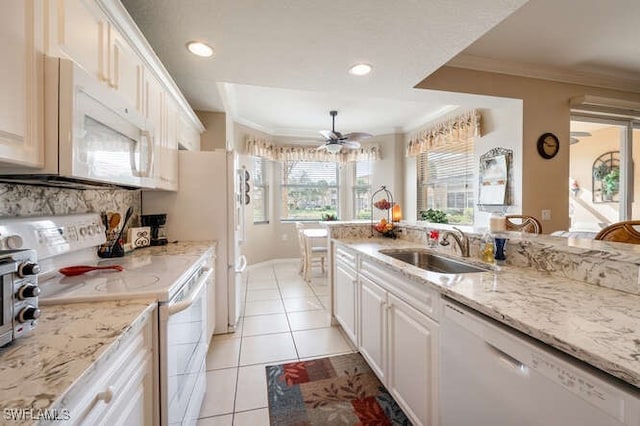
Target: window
(362,189)
(309,190)
(260,191)
(445,181)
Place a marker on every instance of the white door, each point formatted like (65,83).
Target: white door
(345,295)
(21,81)
(373,326)
(413,346)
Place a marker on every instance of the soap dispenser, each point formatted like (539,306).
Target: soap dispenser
(487,250)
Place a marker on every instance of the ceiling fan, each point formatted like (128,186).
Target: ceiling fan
(334,141)
(576,135)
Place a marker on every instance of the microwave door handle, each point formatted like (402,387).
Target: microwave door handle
(145,136)
(174,308)
(149,140)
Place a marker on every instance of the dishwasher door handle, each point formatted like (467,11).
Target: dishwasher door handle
(508,360)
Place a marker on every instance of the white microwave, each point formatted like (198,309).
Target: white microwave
(92,136)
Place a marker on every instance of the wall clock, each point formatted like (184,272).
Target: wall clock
(548,145)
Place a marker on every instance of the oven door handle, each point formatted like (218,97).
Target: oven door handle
(184,304)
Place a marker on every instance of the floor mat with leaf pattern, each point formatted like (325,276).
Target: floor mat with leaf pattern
(335,390)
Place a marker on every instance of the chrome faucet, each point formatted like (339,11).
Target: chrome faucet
(460,238)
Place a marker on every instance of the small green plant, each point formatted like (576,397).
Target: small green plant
(329,216)
(611,182)
(435,216)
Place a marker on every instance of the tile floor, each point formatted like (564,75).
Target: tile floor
(284,319)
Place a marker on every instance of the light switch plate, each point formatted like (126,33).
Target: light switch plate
(546,215)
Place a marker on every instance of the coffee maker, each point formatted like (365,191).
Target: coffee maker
(156,222)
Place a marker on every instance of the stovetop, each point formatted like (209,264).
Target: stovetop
(62,241)
(143,276)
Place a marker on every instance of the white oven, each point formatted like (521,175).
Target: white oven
(92,135)
(183,350)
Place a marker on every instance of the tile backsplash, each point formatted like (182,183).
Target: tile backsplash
(37,200)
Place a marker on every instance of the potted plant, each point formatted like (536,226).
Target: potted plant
(435,216)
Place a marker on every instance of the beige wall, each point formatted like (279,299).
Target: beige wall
(545,109)
(214,136)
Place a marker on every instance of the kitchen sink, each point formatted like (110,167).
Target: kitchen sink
(432,262)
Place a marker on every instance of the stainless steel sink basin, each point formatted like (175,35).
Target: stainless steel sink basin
(432,262)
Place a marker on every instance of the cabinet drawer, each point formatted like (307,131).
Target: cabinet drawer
(421,297)
(110,384)
(346,257)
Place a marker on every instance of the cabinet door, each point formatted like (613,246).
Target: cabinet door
(373,326)
(345,295)
(126,73)
(188,135)
(80,32)
(21,79)
(412,373)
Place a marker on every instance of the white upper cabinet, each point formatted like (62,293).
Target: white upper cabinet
(81,31)
(188,135)
(21,80)
(127,70)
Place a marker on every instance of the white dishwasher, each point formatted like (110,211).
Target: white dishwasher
(491,375)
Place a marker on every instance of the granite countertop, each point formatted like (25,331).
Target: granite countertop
(187,248)
(597,325)
(70,342)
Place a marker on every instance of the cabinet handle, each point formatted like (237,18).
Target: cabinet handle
(106,396)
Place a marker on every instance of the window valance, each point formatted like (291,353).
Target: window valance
(262,148)
(460,128)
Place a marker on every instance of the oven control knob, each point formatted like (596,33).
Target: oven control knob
(13,242)
(28,269)
(28,291)
(29,313)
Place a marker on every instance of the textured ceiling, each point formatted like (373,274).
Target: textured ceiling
(306,47)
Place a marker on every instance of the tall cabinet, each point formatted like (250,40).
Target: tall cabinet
(21,83)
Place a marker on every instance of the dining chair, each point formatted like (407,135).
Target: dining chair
(312,250)
(621,232)
(523,223)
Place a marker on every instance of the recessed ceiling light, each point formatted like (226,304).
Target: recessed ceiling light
(360,69)
(200,48)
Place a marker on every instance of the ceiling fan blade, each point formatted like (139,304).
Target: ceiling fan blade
(580,134)
(356,136)
(351,144)
(328,134)
(322,147)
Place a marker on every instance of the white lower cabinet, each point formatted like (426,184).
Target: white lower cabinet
(345,299)
(412,367)
(400,341)
(124,389)
(373,326)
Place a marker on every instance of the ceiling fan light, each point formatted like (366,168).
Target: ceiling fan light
(360,69)
(200,48)
(334,148)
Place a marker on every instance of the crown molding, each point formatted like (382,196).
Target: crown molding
(544,72)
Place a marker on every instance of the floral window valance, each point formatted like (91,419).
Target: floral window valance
(460,128)
(265,149)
